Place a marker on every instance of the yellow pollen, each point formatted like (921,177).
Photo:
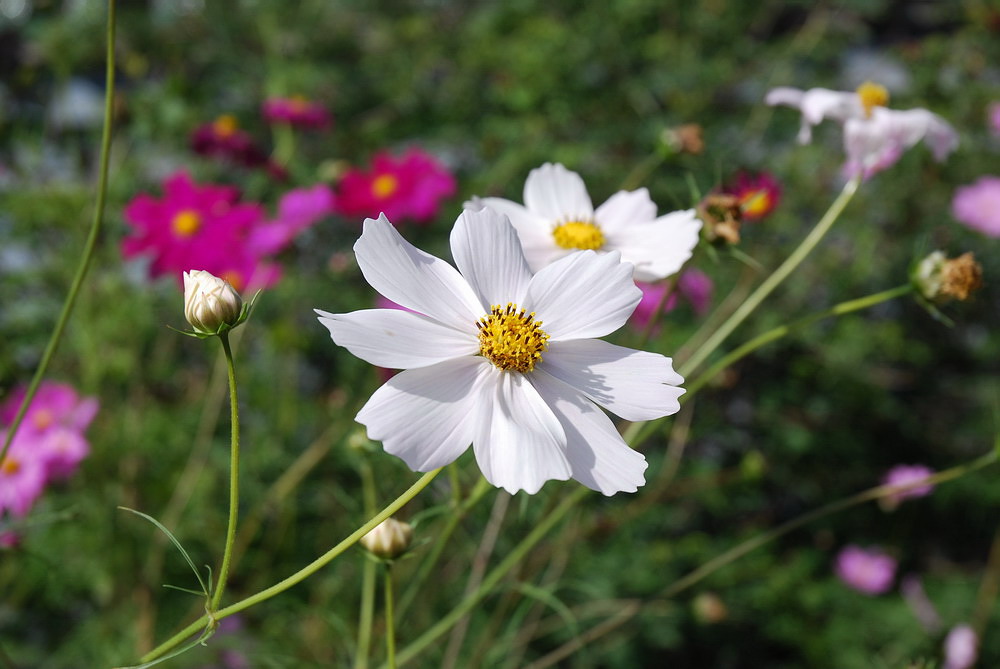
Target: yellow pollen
(185,223)
(384,185)
(872,95)
(755,202)
(43,419)
(9,466)
(225,125)
(582,235)
(511,339)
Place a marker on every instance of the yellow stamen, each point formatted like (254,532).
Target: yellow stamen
(872,95)
(9,466)
(582,235)
(384,185)
(511,339)
(185,223)
(225,125)
(755,202)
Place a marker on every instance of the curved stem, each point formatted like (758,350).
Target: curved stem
(774,280)
(298,576)
(782,330)
(390,625)
(89,246)
(234,474)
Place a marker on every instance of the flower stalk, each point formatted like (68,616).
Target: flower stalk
(234,474)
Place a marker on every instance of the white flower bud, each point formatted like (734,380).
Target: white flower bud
(389,539)
(210,302)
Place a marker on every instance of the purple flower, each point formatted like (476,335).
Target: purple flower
(297,111)
(905,475)
(870,570)
(297,210)
(961,647)
(978,205)
(994,118)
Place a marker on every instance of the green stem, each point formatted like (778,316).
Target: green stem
(774,280)
(390,626)
(366,615)
(782,330)
(89,246)
(234,474)
(298,576)
(513,558)
(641,171)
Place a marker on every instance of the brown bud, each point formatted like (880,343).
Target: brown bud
(685,138)
(722,216)
(940,279)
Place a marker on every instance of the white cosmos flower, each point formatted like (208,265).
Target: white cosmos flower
(503,359)
(558,218)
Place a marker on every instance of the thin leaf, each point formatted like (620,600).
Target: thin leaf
(551,601)
(175,542)
(188,590)
(183,649)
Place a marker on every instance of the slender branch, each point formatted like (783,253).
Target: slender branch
(390,625)
(298,576)
(89,246)
(366,615)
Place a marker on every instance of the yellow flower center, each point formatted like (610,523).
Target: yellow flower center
(43,418)
(299,103)
(583,235)
(872,95)
(225,125)
(511,339)
(185,223)
(9,466)
(384,185)
(755,202)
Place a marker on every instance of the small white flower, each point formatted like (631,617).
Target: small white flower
(210,303)
(503,359)
(558,218)
(817,104)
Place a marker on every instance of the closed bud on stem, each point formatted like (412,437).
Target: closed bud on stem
(939,278)
(211,304)
(390,539)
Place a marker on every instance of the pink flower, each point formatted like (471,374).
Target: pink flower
(878,141)
(297,111)
(870,571)
(223,139)
(904,475)
(297,210)
(198,227)
(994,118)
(758,194)
(54,405)
(407,188)
(22,474)
(62,450)
(961,648)
(693,285)
(978,205)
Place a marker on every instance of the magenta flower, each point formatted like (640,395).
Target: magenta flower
(223,139)
(297,210)
(961,648)
(54,405)
(870,571)
(904,475)
(22,474)
(201,227)
(694,286)
(410,187)
(978,205)
(297,111)
(758,194)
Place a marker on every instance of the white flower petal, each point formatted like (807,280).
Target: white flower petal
(557,194)
(520,443)
(533,231)
(397,339)
(658,248)
(623,209)
(599,457)
(488,254)
(635,385)
(583,295)
(423,415)
(414,279)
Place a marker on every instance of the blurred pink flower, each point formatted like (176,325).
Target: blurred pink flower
(961,648)
(297,111)
(62,450)
(198,227)
(903,475)
(223,139)
(693,285)
(297,210)
(758,194)
(994,118)
(978,205)
(22,474)
(410,187)
(870,571)
(54,405)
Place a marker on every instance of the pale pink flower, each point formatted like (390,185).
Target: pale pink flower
(993,114)
(870,570)
(904,475)
(55,404)
(693,285)
(877,142)
(978,205)
(298,209)
(961,647)
(22,474)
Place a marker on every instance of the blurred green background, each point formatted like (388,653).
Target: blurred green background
(495,89)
